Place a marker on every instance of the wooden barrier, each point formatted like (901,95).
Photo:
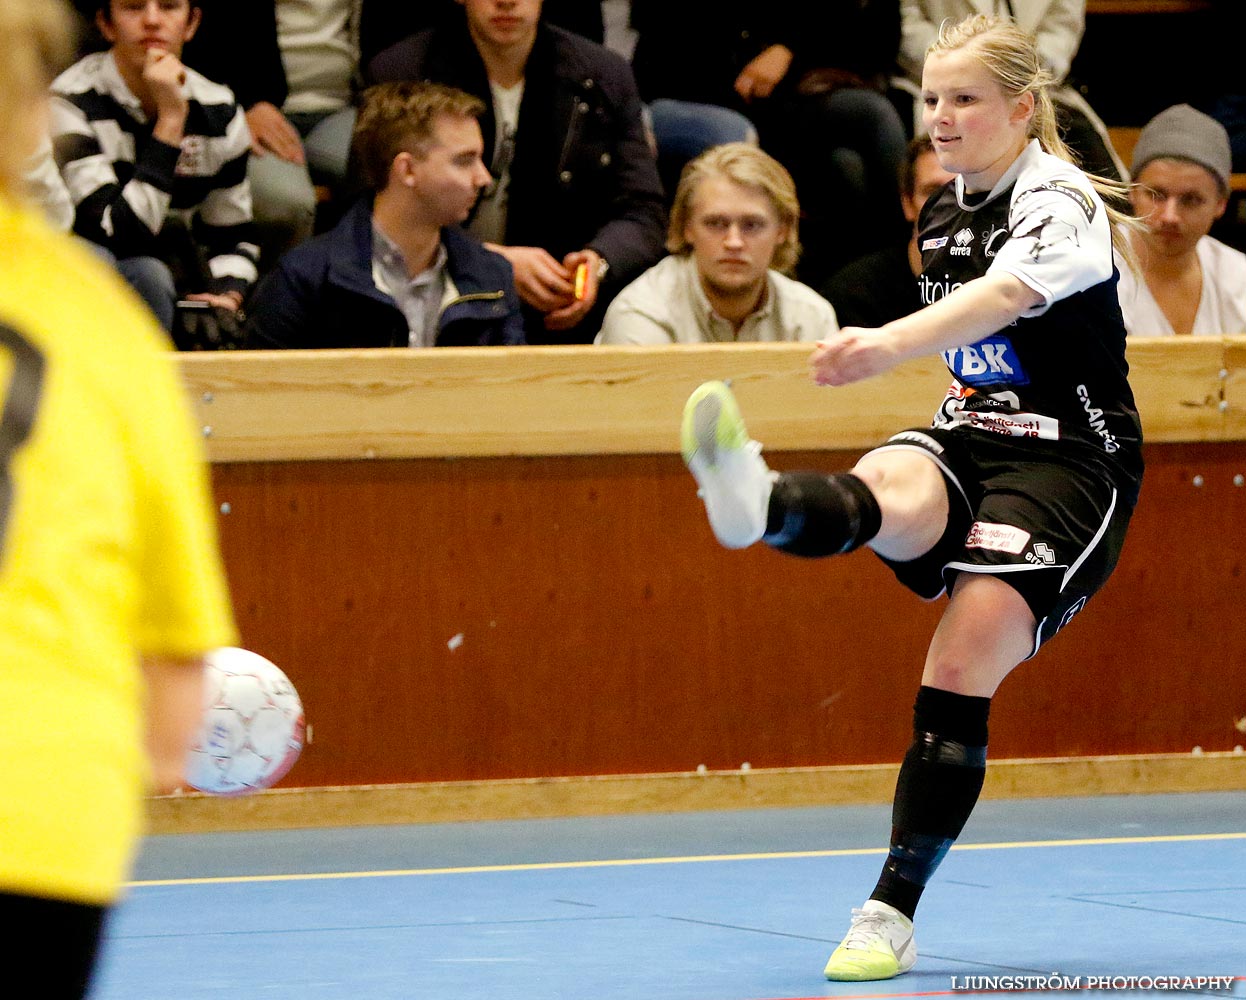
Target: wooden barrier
(489,565)
(280,406)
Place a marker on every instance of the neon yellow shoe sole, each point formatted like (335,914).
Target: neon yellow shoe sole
(879,945)
(856,966)
(712,421)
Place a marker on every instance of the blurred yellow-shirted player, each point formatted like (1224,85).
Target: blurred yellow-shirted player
(111,587)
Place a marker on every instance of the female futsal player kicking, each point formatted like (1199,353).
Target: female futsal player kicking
(1017,498)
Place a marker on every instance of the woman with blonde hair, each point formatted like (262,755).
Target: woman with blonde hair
(1016,500)
(111,587)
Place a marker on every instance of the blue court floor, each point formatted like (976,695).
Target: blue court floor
(704,906)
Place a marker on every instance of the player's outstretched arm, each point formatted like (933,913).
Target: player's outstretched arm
(976,309)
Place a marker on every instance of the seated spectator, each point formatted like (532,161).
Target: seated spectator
(397,271)
(576,186)
(1187,282)
(148,149)
(733,231)
(882,286)
(1057,26)
(383,23)
(812,79)
(293,66)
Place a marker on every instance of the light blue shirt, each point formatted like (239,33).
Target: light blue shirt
(419,298)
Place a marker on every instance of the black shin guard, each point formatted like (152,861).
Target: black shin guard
(939,783)
(812,514)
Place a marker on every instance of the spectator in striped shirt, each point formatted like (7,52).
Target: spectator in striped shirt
(155,158)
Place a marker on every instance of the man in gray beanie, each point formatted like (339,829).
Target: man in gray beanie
(1187,282)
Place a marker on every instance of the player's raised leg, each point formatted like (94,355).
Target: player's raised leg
(894,501)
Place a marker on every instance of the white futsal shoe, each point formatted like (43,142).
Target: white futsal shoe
(879,945)
(734,479)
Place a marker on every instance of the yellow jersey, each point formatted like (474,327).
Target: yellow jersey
(107,552)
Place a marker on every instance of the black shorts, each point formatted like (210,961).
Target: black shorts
(56,941)
(1034,514)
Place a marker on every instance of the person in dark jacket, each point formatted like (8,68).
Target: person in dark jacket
(397,271)
(293,66)
(883,286)
(813,79)
(383,24)
(576,190)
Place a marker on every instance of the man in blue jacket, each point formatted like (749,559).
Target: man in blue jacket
(576,189)
(397,271)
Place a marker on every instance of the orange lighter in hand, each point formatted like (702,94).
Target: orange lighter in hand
(581,282)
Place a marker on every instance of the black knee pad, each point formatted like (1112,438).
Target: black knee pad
(813,515)
(955,717)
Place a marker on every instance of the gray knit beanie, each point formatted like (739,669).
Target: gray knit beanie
(1182,133)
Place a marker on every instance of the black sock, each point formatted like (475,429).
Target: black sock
(812,514)
(939,783)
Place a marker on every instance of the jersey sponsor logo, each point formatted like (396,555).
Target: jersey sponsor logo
(1094,419)
(990,361)
(932,291)
(964,407)
(992,240)
(1078,195)
(937,243)
(1028,425)
(964,243)
(997,538)
(1049,233)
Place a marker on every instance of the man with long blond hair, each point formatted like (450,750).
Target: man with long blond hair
(111,587)
(734,238)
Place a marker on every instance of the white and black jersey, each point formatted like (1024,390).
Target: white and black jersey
(1059,373)
(125,183)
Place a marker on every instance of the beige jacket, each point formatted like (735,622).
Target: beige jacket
(1056,24)
(666,305)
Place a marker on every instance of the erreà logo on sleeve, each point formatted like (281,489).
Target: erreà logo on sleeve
(991,361)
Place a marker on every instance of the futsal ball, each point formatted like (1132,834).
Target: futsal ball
(252,728)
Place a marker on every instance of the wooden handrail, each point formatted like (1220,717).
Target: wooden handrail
(454,402)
